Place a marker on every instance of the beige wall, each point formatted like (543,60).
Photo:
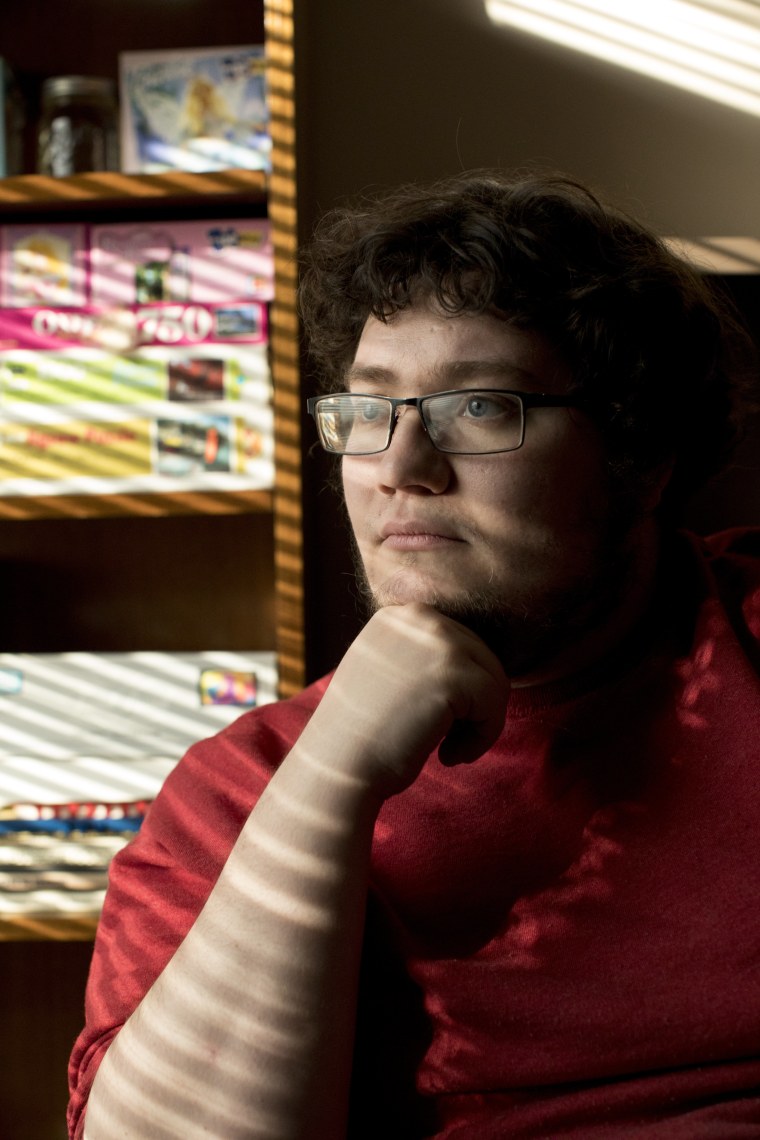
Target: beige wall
(391,90)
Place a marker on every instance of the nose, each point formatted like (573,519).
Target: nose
(410,461)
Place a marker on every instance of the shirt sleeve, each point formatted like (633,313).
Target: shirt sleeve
(159,883)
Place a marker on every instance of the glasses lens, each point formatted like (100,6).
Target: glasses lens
(472,423)
(353,424)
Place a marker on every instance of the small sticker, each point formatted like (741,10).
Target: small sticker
(11,682)
(227,687)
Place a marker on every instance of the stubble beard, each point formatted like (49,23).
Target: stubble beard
(528,636)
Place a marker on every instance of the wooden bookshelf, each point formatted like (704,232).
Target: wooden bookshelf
(225,193)
(33,928)
(44,542)
(110,196)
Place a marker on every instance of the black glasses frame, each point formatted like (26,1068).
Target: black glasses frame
(527,400)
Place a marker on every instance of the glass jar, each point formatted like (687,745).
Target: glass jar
(78,126)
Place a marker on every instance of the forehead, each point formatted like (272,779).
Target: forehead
(427,347)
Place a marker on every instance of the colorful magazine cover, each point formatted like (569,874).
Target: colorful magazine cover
(209,262)
(152,707)
(155,418)
(43,264)
(73,789)
(134,358)
(198,109)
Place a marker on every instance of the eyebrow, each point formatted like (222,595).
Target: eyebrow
(451,373)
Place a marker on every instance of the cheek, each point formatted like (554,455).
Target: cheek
(355,483)
(561,488)
(570,467)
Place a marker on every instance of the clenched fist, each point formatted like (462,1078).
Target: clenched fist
(412,679)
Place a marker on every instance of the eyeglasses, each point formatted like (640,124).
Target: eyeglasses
(479,421)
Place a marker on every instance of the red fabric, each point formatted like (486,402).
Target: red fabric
(563,937)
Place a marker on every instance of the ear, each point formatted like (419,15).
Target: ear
(653,485)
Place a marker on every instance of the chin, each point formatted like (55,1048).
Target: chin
(405,587)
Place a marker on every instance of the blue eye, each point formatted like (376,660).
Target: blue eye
(370,412)
(477,407)
(480,406)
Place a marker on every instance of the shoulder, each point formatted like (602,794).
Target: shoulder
(217,782)
(268,729)
(159,882)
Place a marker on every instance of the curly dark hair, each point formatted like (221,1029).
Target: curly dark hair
(657,352)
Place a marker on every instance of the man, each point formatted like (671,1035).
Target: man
(498,875)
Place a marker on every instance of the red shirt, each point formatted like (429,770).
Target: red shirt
(563,938)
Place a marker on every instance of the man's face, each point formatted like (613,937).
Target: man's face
(525,543)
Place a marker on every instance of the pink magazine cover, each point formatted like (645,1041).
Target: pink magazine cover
(200,261)
(203,261)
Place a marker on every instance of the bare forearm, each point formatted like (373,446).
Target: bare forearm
(248,1033)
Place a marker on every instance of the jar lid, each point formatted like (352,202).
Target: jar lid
(76,86)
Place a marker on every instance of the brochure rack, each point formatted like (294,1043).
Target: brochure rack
(261,589)
(195,569)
